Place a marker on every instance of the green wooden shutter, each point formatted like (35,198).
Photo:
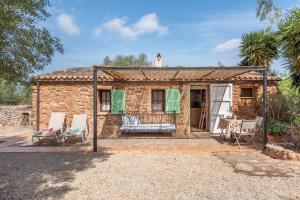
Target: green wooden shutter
(117,101)
(172,100)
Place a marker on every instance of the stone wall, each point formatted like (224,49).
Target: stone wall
(12,115)
(77,97)
(279,152)
(247,107)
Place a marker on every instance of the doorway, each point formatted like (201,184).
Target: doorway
(198,109)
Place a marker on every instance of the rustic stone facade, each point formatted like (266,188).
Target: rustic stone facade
(77,97)
(247,107)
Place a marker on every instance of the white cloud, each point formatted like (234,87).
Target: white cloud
(227,45)
(67,24)
(97,32)
(147,24)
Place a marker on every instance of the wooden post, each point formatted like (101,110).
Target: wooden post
(95,109)
(265,108)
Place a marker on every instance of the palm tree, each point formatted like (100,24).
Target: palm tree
(259,48)
(289,38)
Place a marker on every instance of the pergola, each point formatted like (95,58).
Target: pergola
(176,74)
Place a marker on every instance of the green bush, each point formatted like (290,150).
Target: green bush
(13,94)
(276,127)
(284,106)
(297,121)
(295,133)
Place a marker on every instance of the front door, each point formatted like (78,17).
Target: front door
(220,105)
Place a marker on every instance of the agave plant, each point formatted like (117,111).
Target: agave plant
(259,48)
(289,38)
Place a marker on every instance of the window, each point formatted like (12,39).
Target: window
(246,92)
(105,101)
(158,99)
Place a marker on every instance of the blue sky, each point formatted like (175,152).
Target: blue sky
(187,33)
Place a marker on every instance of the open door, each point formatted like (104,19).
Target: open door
(198,109)
(220,104)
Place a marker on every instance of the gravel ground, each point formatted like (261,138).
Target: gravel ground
(134,175)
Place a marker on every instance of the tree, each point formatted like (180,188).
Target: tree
(129,60)
(143,60)
(289,38)
(11,94)
(244,62)
(259,48)
(267,10)
(288,31)
(107,61)
(24,47)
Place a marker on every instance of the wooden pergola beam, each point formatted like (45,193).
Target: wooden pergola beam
(244,72)
(110,74)
(174,78)
(144,75)
(117,68)
(207,74)
(265,103)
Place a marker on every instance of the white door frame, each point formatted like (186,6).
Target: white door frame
(211,129)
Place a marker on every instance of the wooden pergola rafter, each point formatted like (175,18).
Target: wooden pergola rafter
(239,71)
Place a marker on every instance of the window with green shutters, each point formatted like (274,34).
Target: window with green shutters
(117,101)
(172,100)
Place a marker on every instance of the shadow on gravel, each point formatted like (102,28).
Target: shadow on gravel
(42,175)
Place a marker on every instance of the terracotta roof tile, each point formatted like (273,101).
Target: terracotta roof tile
(85,74)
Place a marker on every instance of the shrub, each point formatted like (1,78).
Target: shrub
(296,121)
(13,94)
(276,127)
(285,104)
(295,132)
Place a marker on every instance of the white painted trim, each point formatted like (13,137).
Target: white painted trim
(211,129)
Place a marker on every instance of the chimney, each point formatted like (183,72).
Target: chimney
(158,61)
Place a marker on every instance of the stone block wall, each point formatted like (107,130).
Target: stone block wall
(13,115)
(247,107)
(77,97)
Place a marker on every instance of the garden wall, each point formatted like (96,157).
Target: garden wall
(15,115)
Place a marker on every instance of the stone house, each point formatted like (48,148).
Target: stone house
(201,96)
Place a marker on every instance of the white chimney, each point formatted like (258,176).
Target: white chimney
(158,61)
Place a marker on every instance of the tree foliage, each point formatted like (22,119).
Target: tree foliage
(288,33)
(25,47)
(289,38)
(12,94)
(259,48)
(267,10)
(129,60)
(244,62)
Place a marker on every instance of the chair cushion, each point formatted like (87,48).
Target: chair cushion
(47,129)
(126,120)
(42,133)
(148,128)
(135,120)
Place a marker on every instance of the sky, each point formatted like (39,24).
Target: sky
(186,33)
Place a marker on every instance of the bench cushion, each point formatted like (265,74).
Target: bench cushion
(148,128)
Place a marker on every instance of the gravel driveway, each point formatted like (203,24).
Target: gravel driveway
(134,175)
